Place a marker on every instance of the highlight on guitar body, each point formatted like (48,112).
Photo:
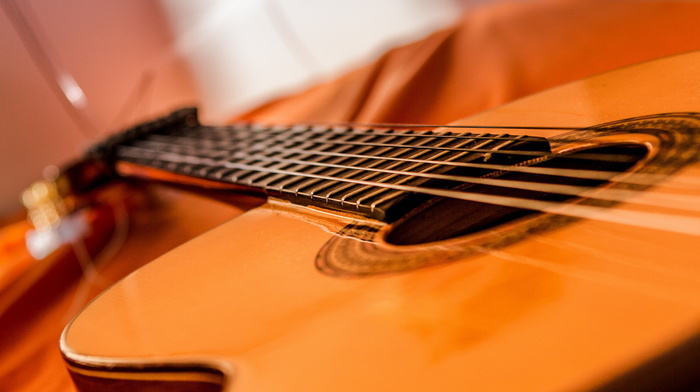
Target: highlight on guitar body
(548,244)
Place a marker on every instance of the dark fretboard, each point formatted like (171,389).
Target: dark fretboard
(360,170)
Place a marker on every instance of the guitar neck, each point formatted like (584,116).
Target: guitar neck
(360,170)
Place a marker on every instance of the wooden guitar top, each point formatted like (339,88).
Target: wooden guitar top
(572,308)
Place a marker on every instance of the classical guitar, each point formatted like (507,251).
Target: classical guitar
(548,245)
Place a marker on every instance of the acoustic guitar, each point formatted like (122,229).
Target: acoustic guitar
(550,244)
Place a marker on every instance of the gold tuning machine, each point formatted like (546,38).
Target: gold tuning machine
(45,204)
(54,202)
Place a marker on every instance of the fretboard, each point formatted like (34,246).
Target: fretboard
(363,170)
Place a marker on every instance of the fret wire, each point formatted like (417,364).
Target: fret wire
(672,201)
(370,132)
(580,156)
(440,135)
(668,201)
(404,180)
(508,152)
(504,143)
(485,151)
(364,193)
(302,186)
(403,126)
(666,222)
(451,135)
(452,126)
(315,191)
(319,129)
(385,152)
(680,182)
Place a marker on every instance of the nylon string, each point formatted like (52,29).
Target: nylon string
(659,221)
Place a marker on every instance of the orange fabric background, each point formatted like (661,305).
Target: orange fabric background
(494,55)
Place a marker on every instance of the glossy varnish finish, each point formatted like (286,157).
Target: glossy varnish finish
(565,309)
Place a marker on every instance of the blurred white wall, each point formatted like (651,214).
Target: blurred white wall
(248,51)
(122,61)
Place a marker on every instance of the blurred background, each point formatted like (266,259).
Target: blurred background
(74,71)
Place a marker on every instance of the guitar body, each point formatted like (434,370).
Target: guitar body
(253,306)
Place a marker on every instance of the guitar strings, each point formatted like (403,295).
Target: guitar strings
(638,178)
(390,145)
(659,200)
(335,142)
(395,131)
(178,140)
(350,125)
(679,182)
(655,199)
(659,221)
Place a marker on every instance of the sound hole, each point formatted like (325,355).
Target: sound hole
(443,218)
